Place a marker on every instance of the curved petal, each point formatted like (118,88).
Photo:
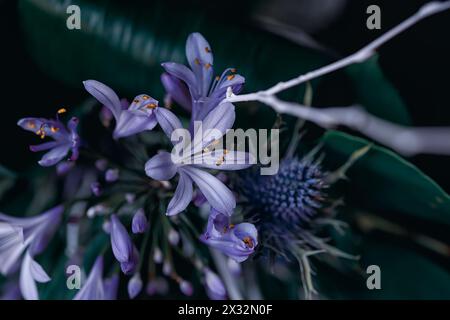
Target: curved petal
(218,195)
(38,272)
(121,244)
(160,167)
(11,246)
(105,95)
(129,124)
(93,288)
(55,155)
(184,74)
(26,282)
(44,127)
(44,146)
(182,196)
(177,90)
(168,121)
(200,58)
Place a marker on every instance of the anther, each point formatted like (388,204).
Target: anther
(207,49)
(208,65)
(230,77)
(61,111)
(197,62)
(248,242)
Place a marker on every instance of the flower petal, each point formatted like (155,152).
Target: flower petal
(38,272)
(134,286)
(184,74)
(182,196)
(93,288)
(55,155)
(11,246)
(168,121)
(26,282)
(105,95)
(200,58)
(225,160)
(218,195)
(129,124)
(121,244)
(177,90)
(160,167)
(140,222)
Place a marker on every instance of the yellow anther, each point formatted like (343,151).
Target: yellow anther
(217,78)
(233,70)
(61,111)
(136,100)
(208,65)
(31,125)
(248,242)
(54,129)
(207,49)
(196,61)
(151,106)
(145,97)
(230,77)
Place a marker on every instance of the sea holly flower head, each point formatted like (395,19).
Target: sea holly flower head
(141,115)
(164,165)
(236,241)
(66,139)
(194,88)
(30,235)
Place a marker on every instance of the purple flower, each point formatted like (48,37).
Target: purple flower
(30,235)
(194,88)
(93,288)
(215,288)
(162,166)
(96,188)
(139,223)
(110,286)
(142,114)
(186,288)
(134,286)
(235,241)
(65,139)
(112,175)
(122,246)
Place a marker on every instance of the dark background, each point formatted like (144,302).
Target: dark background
(416,62)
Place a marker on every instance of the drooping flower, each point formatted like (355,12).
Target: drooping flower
(142,114)
(236,241)
(194,88)
(134,285)
(93,288)
(112,175)
(139,223)
(200,155)
(186,288)
(30,235)
(122,246)
(66,139)
(283,205)
(215,289)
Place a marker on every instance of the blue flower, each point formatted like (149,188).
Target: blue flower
(93,288)
(141,115)
(65,139)
(236,241)
(122,246)
(30,236)
(199,156)
(194,88)
(139,223)
(215,289)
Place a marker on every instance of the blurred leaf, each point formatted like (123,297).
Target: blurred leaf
(7,180)
(382,180)
(376,93)
(124,44)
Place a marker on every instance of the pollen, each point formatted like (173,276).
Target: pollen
(196,61)
(248,242)
(145,97)
(207,49)
(136,100)
(151,106)
(208,65)
(230,77)
(54,129)
(31,125)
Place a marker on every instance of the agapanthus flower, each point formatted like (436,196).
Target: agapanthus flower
(141,115)
(139,223)
(284,204)
(122,246)
(215,289)
(93,288)
(200,156)
(194,88)
(66,139)
(30,235)
(236,241)
(134,286)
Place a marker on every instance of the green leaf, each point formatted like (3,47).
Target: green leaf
(382,180)
(123,45)
(375,92)
(7,180)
